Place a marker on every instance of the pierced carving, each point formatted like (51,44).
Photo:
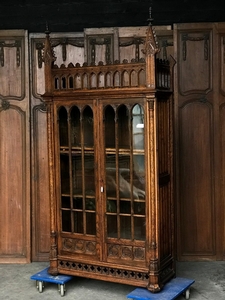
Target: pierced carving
(5,104)
(16,44)
(100,270)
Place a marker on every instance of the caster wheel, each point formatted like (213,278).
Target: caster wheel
(40,286)
(61,288)
(187,294)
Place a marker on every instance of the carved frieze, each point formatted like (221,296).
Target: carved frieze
(125,252)
(79,246)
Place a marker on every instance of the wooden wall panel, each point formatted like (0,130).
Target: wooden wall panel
(14,148)
(199,129)
(220,30)
(68,48)
(195,179)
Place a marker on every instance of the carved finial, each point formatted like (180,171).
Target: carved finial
(47,29)
(48,54)
(151,43)
(150,19)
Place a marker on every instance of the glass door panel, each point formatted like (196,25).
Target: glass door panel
(78,202)
(125,172)
(63,127)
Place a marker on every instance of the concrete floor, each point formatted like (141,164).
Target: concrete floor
(15,283)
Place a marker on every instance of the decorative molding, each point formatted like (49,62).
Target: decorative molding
(56,42)
(17,44)
(164,46)
(126,252)
(79,246)
(105,40)
(185,37)
(133,41)
(5,104)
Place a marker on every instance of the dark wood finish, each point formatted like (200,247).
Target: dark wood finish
(14,148)
(199,104)
(111,211)
(64,45)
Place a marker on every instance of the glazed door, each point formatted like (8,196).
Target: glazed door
(102,178)
(78,181)
(123,183)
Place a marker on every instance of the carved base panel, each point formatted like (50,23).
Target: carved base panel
(96,271)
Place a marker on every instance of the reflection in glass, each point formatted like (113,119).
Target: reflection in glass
(139,228)
(139,208)
(138,127)
(111,206)
(125,172)
(125,227)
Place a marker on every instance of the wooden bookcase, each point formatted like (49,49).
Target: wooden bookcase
(110,148)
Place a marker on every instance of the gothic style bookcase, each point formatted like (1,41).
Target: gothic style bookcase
(110,133)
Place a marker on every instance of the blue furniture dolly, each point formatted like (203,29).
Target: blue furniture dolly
(171,290)
(44,276)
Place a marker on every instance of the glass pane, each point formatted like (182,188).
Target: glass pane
(123,127)
(124,176)
(111,175)
(125,207)
(75,127)
(139,208)
(139,229)
(63,127)
(77,174)
(111,206)
(66,220)
(89,174)
(139,175)
(109,127)
(91,221)
(78,222)
(88,127)
(77,203)
(125,227)
(65,175)
(138,127)
(65,202)
(90,203)
(112,226)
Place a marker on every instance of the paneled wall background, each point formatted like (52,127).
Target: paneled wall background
(199,131)
(14,147)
